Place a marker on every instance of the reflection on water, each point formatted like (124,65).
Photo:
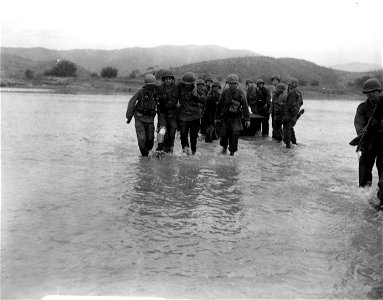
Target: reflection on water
(83,214)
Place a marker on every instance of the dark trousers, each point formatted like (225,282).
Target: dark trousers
(171,129)
(145,136)
(265,125)
(277,129)
(229,133)
(366,163)
(190,128)
(288,131)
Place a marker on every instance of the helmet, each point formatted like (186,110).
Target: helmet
(208,78)
(371,85)
(293,82)
(188,78)
(167,73)
(276,76)
(260,81)
(217,84)
(150,79)
(200,81)
(232,78)
(280,87)
(248,81)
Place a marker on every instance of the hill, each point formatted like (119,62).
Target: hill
(128,59)
(357,67)
(264,67)
(14,67)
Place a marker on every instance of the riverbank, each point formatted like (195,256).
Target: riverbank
(115,86)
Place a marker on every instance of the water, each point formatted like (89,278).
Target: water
(83,214)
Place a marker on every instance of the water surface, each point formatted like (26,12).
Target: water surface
(83,214)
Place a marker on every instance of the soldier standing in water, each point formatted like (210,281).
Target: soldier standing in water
(232,104)
(143,106)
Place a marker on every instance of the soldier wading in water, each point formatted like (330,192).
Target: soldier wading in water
(230,108)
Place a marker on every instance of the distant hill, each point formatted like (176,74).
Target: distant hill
(264,67)
(14,67)
(128,59)
(357,67)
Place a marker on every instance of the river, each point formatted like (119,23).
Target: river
(83,214)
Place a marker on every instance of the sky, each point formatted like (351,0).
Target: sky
(327,32)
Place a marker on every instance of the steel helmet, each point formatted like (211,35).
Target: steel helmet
(217,84)
(149,79)
(260,81)
(188,78)
(200,81)
(371,85)
(167,74)
(280,87)
(232,78)
(276,76)
(248,81)
(293,82)
(208,78)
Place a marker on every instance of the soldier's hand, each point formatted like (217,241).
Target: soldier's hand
(217,121)
(247,124)
(128,120)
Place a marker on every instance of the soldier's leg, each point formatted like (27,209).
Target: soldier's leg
(194,129)
(287,129)
(379,160)
(184,128)
(380,191)
(277,130)
(366,163)
(170,134)
(149,128)
(235,128)
(224,134)
(293,138)
(265,126)
(209,133)
(141,137)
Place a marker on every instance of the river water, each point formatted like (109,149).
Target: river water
(83,214)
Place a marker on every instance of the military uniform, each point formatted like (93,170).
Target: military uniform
(251,96)
(209,113)
(190,114)
(293,103)
(143,106)
(263,104)
(278,111)
(369,122)
(168,114)
(230,108)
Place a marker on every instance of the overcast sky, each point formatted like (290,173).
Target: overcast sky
(327,32)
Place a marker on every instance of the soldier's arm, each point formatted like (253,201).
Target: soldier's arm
(132,106)
(359,122)
(218,110)
(245,107)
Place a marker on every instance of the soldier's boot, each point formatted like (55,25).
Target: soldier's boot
(224,151)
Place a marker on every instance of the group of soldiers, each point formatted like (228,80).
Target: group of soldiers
(199,106)
(195,106)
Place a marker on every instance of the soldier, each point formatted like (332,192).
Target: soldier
(275,79)
(168,110)
(191,100)
(209,83)
(251,96)
(293,104)
(232,104)
(143,106)
(202,90)
(372,147)
(263,105)
(209,111)
(278,111)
